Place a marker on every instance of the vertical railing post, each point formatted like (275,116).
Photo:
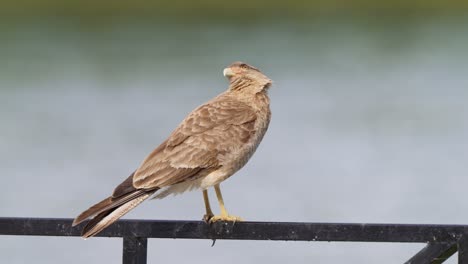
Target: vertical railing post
(134,250)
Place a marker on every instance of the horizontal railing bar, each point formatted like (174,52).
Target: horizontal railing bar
(294,231)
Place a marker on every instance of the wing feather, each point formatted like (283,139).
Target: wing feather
(198,144)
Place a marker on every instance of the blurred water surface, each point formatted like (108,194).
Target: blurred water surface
(369,125)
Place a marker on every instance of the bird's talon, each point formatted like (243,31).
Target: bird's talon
(207,218)
(226,218)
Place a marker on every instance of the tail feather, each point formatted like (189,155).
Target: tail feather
(107,204)
(107,217)
(93,210)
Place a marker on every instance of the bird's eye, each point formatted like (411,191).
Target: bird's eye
(244,66)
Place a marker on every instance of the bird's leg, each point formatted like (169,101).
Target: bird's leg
(209,214)
(224,213)
(224,216)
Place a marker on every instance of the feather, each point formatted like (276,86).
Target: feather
(106,218)
(107,204)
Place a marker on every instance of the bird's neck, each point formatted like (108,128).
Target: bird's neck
(239,84)
(247,85)
(257,100)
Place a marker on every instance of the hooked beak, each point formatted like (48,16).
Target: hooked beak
(227,72)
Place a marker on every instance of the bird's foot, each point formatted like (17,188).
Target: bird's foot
(227,218)
(207,218)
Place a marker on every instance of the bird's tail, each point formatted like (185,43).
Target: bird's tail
(110,210)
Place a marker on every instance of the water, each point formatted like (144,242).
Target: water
(369,125)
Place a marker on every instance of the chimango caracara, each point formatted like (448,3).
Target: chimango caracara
(212,143)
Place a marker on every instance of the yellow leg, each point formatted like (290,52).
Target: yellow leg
(224,214)
(209,214)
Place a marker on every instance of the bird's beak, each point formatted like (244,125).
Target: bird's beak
(228,72)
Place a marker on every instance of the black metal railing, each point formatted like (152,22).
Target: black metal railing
(442,240)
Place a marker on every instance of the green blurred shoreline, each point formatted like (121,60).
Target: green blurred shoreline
(226,10)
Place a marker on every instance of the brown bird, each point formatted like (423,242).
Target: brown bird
(212,143)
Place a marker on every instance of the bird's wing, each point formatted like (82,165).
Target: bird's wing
(194,148)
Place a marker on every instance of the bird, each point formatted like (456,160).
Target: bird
(212,143)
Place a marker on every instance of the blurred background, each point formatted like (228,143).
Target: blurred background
(369,117)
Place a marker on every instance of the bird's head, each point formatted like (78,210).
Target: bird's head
(242,75)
